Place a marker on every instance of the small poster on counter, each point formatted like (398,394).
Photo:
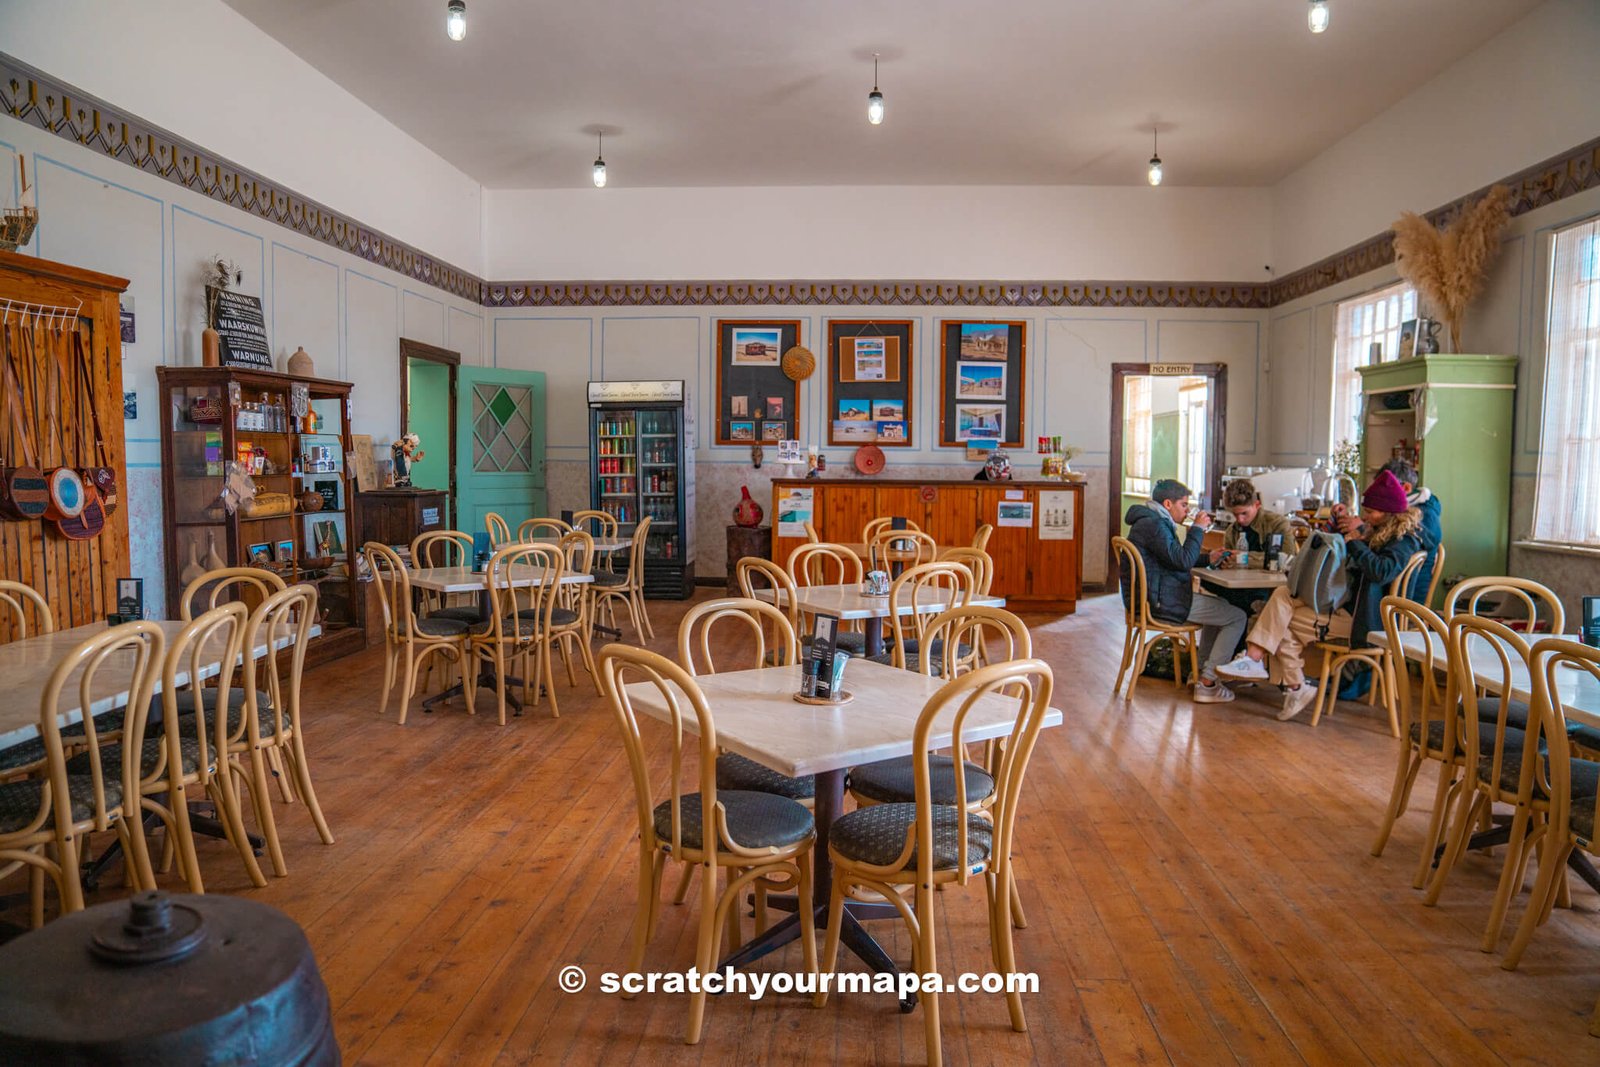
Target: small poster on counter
(1014,513)
(794,511)
(1055,515)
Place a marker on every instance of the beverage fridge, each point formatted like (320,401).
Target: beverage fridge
(641,464)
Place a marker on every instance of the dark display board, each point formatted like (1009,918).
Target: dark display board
(982,368)
(869,366)
(750,377)
(237,318)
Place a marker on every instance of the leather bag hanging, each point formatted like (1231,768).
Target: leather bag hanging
(102,477)
(66,486)
(23,492)
(91,516)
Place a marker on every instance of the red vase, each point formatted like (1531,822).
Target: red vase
(747,512)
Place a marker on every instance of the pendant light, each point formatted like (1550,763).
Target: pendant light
(1317,17)
(600,164)
(1155,157)
(455,19)
(875,98)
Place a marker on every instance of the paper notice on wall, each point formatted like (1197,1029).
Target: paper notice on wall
(794,511)
(1056,515)
(1015,494)
(1014,513)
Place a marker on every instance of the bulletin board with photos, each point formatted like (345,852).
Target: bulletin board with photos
(869,382)
(756,401)
(982,368)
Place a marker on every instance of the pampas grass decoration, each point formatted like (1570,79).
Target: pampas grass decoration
(1449,267)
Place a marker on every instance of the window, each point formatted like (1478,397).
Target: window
(1567,505)
(1136,420)
(1366,330)
(1192,421)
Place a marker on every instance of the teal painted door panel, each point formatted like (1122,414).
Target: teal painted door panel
(500,441)
(428,416)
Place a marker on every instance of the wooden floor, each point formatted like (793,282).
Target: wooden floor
(1197,880)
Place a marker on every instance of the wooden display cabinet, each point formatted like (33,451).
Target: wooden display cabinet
(214,416)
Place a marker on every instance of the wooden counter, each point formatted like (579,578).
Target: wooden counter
(1033,573)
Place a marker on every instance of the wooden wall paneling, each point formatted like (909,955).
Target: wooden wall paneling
(1058,565)
(898,500)
(1009,546)
(953,516)
(77,578)
(845,509)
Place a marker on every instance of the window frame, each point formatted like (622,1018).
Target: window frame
(1358,321)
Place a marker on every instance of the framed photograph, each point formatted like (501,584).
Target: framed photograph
(871,364)
(891,433)
(1408,339)
(854,432)
(985,340)
(742,431)
(980,422)
(328,489)
(774,430)
(774,408)
(757,346)
(983,380)
(893,410)
(850,410)
(1014,513)
(740,406)
(283,551)
(259,555)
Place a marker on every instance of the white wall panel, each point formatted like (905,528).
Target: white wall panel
(563,349)
(464,334)
(422,319)
(372,344)
(197,239)
(1076,379)
(1236,343)
(305,309)
(1289,431)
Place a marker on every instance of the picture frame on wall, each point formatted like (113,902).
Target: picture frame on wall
(982,382)
(870,382)
(774,430)
(751,386)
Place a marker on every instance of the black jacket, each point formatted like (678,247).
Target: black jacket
(1371,570)
(1166,560)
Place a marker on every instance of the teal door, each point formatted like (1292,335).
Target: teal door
(500,425)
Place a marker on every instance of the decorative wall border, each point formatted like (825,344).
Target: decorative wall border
(36,98)
(39,100)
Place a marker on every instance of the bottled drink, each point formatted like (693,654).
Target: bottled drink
(1242,550)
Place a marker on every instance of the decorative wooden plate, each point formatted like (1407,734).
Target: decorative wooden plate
(869,459)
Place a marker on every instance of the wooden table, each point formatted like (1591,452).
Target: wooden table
(848,602)
(467,580)
(26,666)
(1241,577)
(756,716)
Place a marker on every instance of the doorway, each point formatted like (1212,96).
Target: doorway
(428,409)
(1167,421)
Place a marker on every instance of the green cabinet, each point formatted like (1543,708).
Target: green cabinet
(1451,415)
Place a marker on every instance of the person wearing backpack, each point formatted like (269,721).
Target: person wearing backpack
(1153,529)
(1377,549)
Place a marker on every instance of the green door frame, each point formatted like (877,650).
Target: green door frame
(410,350)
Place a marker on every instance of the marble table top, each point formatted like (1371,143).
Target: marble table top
(26,666)
(848,602)
(602,545)
(1580,693)
(757,716)
(467,580)
(1241,577)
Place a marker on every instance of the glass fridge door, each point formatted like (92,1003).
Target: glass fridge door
(617,466)
(659,481)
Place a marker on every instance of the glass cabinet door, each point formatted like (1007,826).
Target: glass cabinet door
(659,488)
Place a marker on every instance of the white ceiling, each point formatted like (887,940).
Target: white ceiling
(769,92)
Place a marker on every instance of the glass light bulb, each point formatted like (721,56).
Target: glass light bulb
(1317,17)
(875,107)
(1155,170)
(455,20)
(599,174)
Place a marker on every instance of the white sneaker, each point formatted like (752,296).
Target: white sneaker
(1245,668)
(1215,693)
(1297,700)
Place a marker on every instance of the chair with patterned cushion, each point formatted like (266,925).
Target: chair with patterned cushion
(445,548)
(33,817)
(826,563)
(753,573)
(980,539)
(1478,596)
(754,838)
(572,614)
(627,587)
(418,639)
(600,525)
(1496,770)
(926,844)
(249,584)
(1575,806)
(949,585)
(533,529)
(1337,652)
(519,617)
(1430,723)
(1144,629)
(16,600)
(499,530)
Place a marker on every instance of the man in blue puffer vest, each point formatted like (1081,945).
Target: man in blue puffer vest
(1153,529)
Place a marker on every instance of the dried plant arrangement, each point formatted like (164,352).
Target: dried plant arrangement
(1449,266)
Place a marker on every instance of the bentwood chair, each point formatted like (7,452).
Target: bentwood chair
(499,530)
(889,549)
(883,522)
(571,615)
(599,525)
(628,588)
(418,638)
(926,844)
(16,599)
(541,527)
(1567,780)
(950,585)
(56,811)
(811,531)
(753,572)
(1486,652)
(1429,723)
(766,839)
(980,539)
(1144,629)
(518,622)
(826,563)
(445,548)
(1337,652)
(976,560)
(251,584)
(1533,598)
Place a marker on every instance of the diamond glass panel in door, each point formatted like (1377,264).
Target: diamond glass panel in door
(502,428)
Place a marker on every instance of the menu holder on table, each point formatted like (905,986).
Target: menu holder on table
(822,670)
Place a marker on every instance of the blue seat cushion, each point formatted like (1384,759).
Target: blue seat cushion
(738,772)
(755,820)
(19,801)
(892,781)
(877,835)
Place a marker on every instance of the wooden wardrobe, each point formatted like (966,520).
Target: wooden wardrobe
(78,578)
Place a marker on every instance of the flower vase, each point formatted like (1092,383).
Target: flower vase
(210,348)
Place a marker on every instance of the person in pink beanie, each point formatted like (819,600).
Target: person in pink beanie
(1377,547)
